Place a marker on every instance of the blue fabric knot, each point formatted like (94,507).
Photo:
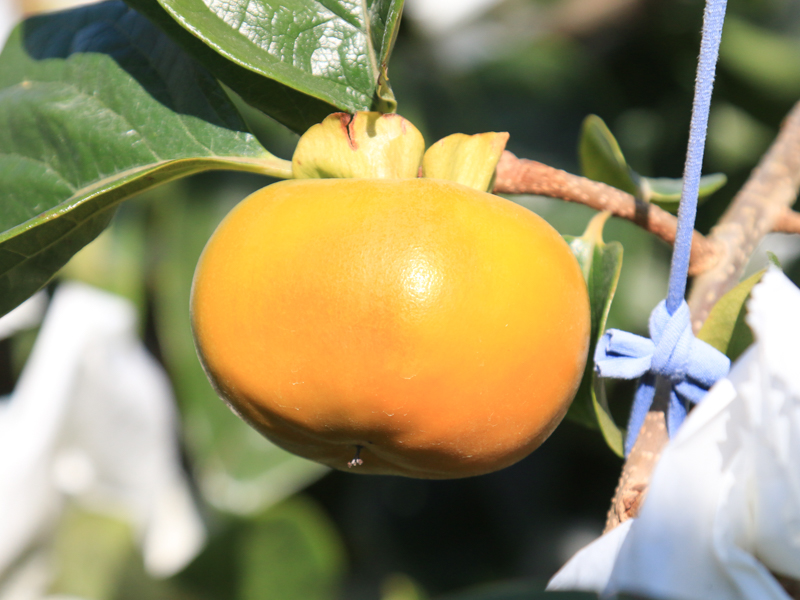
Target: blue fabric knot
(691,365)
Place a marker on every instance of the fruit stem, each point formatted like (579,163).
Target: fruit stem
(356,462)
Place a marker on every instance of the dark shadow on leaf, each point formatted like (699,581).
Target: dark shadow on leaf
(158,64)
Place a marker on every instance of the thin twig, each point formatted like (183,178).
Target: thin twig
(756,210)
(522,176)
(788,222)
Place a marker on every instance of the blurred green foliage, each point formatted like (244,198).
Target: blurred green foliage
(518,69)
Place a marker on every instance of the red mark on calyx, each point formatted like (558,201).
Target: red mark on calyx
(346,121)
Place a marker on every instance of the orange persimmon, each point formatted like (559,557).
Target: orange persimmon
(413,327)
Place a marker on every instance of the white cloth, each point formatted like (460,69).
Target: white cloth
(92,418)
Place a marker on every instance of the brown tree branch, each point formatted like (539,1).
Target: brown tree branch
(788,222)
(757,209)
(522,176)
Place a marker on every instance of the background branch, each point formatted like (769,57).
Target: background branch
(788,222)
(755,211)
(522,176)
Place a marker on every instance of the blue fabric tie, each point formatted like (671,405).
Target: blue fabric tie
(691,365)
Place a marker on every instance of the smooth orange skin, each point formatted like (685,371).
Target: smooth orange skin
(441,329)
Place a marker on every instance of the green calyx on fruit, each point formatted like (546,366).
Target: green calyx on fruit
(371,145)
(470,160)
(366,145)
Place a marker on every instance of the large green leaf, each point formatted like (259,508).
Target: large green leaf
(97,105)
(297,60)
(601,264)
(602,160)
(296,110)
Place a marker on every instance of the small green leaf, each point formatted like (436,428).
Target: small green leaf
(97,105)
(773,258)
(601,264)
(297,60)
(725,328)
(666,192)
(601,158)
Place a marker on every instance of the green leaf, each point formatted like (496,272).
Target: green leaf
(601,158)
(766,60)
(97,105)
(293,552)
(666,192)
(725,328)
(238,470)
(601,264)
(297,60)
(90,551)
(294,109)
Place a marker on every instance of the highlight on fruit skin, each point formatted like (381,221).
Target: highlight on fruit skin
(410,327)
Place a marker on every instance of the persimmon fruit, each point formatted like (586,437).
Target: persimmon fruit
(412,327)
